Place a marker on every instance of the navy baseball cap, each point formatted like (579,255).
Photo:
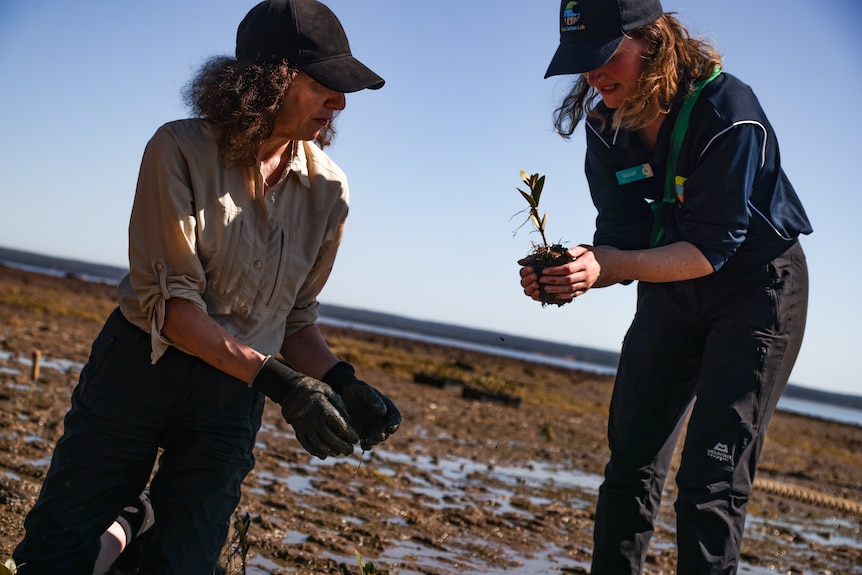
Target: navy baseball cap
(308,35)
(592,30)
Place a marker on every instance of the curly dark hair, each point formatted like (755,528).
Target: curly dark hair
(674,60)
(242,99)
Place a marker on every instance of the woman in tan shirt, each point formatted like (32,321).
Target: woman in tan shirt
(237,219)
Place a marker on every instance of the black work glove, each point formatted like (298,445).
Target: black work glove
(316,412)
(372,414)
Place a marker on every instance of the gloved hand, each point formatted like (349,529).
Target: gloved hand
(371,414)
(316,412)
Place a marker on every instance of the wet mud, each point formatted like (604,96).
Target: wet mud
(465,486)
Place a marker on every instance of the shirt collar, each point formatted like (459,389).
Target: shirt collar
(299,164)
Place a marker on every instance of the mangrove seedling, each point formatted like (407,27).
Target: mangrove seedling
(239,544)
(536,184)
(365,567)
(544,255)
(8,567)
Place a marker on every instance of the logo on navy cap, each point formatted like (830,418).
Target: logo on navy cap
(570,18)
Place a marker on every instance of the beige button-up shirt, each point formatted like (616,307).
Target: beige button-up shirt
(253,261)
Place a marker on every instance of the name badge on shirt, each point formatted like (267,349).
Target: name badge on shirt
(634,174)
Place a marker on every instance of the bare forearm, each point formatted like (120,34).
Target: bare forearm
(675,262)
(601,266)
(308,352)
(193,330)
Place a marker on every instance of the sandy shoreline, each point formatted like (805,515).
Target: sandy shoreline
(464,487)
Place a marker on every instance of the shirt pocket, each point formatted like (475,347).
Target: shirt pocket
(299,251)
(225,250)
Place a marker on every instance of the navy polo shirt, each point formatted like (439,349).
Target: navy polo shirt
(736,197)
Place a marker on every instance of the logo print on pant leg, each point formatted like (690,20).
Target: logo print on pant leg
(719,452)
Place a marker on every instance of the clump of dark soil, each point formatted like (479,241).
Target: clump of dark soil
(547,256)
(464,486)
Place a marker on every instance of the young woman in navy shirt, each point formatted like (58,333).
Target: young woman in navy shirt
(684,170)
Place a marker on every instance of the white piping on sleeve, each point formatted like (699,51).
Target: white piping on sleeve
(765,219)
(735,124)
(762,163)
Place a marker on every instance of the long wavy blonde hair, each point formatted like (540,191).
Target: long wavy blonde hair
(674,60)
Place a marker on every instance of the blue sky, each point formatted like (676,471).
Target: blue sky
(433,158)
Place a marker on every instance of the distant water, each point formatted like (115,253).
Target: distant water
(59,272)
(54,272)
(821,410)
(788,404)
(489,349)
(792,405)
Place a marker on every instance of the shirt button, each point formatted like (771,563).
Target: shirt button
(257,264)
(243,310)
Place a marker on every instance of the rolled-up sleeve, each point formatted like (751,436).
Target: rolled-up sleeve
(163,260)
(203,231)
(715,215)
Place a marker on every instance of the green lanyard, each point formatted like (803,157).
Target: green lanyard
(671,180)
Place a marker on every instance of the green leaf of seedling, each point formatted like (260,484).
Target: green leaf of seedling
(529,198)
(538,186)
(241,524)
(365,567)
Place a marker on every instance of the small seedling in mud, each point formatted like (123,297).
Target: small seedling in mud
(9,567)
(544,255)
(365,567)
(239,543)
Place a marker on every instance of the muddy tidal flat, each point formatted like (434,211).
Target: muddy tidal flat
(465,486)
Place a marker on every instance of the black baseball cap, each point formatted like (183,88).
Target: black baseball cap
(308,35)
(592,30)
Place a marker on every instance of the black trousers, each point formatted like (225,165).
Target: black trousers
(124,409)
(727,344)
